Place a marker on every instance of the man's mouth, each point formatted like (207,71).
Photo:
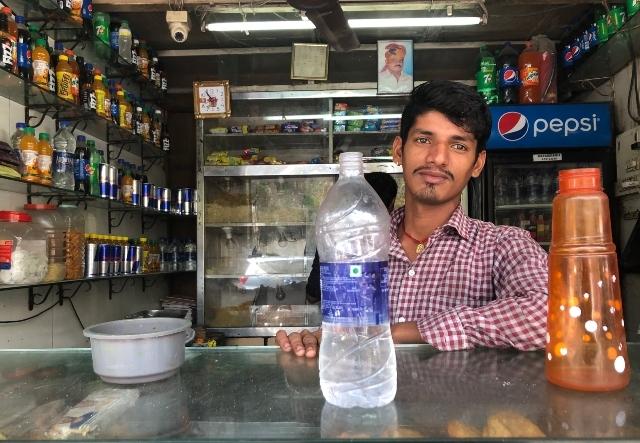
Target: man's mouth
(434,177)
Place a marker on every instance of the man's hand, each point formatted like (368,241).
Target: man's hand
(303,344)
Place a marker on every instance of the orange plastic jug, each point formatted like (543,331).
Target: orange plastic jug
(586,346)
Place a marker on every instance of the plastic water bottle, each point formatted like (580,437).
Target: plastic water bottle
(357,357)
(17,136)
(64,145)
(124,41)
(190,256)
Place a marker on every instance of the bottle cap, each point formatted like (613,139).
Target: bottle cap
(579,179)
(29,130)
(43,136)
(20,125)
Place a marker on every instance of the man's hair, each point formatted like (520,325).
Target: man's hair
(460,103)
(384,185)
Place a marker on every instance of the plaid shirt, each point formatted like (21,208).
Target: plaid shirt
(476,284)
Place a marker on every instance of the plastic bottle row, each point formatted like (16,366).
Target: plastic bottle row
(32,58)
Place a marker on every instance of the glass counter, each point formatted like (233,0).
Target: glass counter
(260,393)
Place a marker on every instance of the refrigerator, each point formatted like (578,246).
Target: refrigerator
(528,145)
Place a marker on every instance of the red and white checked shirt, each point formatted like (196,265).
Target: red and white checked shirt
(475,284)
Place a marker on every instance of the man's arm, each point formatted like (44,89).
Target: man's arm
(516,318)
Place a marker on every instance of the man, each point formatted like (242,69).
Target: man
(454,282)
(392,78)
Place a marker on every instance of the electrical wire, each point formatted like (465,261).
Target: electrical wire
(76,313)
(29,318)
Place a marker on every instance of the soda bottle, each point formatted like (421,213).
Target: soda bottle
(87,94)
(93,168)
(41,65)
(64,149)
(80,164)
(529,65)
(23,48)
(143,60)
(65,5)
(357,357)
(75,75)
(486,76)
(153,70)
(29,155)
(45,157)
(101,22)
(114,36)
(508,78)
(548,63)
(100,93)
(114,105)
(6,43)
(124,42)
(586,346)
(87,18)
(633,6)
(165,140)
(134,52)
(64,78)
(76,10)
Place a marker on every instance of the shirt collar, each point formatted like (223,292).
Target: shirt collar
(458,222)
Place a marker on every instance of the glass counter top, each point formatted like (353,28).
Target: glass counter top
(260,393)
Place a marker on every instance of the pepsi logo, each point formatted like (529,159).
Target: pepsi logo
(509,75)
(513,126)
(568,56)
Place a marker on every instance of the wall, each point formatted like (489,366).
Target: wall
(617,91)
(59,327)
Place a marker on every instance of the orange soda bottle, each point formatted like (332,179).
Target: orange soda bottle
(586,347)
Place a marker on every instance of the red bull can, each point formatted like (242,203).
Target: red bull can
(194,202)
(103,178)
(164,199)
(147,199)
(185,203)
(113,183)
(136,190)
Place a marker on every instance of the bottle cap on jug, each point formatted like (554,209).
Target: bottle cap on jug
(577,179)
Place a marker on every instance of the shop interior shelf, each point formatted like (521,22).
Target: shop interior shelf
(270,276)
(609,57)
(257,224)
(524,206)
(90,279)
(269,134)
(357,133)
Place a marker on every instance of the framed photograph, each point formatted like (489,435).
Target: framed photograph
(309,61)
(211,99)
(395,66)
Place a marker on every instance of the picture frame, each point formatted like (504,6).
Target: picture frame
(309,61)
(211,99)
(395,66)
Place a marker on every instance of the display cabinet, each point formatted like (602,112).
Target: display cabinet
(262,174)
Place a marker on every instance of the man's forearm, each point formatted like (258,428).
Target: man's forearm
(406,332)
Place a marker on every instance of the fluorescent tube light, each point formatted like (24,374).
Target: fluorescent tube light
(287,25)
(330,117)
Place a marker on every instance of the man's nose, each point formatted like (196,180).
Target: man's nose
(438,154)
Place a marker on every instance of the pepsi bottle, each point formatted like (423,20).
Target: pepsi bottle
(508,78)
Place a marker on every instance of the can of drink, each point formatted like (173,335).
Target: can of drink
(136,267)
(103,259)
(135,192)
(90,263)
(126,259)
(113,183)
(158,195)
(165,200)
(187,201)
(146,195)
(103,178)
(153,198)
(117,259)
(194,202)
(177,208)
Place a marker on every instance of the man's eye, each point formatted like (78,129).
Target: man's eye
(422,140)
(459,147)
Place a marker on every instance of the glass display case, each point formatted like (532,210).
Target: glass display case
(262,175)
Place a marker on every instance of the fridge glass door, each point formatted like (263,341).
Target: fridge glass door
(523,194)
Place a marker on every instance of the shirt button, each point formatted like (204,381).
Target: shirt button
(411,272)
(401,319)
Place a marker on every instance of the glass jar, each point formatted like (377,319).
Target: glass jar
(72,219)
(47,218)
(23,250)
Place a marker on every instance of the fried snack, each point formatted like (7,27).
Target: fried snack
(507,424)
(458,429)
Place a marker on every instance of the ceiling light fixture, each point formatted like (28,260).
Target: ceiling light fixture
(288,25)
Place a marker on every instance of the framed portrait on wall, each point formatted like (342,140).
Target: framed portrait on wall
(211,99)
(395,66)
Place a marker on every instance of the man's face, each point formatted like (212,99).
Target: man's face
(394,58)
(438,159)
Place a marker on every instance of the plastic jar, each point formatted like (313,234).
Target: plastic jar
(47,218)
(73,220)
(23,250)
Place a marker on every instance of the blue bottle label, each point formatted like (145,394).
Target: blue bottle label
(355,293)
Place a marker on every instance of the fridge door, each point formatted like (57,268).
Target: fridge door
(520,188)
